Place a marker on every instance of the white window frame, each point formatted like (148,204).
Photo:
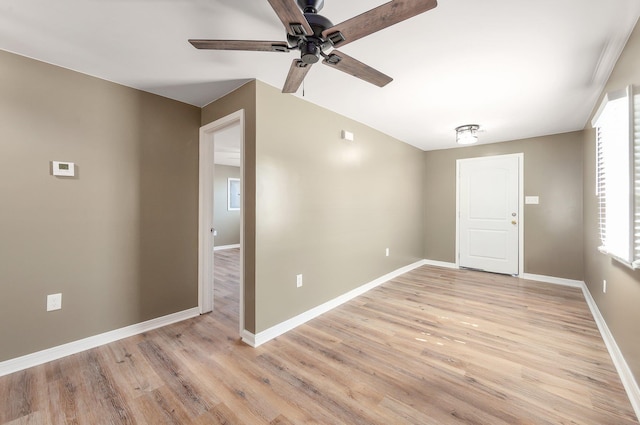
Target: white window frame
(617,125)
(233,194)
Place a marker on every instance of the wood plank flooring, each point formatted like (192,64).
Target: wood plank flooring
(434,346)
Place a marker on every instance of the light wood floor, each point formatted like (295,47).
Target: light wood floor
(434,346)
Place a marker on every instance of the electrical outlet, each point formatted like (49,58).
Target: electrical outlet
(604,286)
(54,302)
(298,280)
(386,252)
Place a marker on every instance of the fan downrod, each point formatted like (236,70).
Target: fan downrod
(311,6)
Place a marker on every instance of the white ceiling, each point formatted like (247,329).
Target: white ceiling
(519,68)
(226,145)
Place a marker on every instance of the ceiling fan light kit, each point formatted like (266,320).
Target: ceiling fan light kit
(317,37)
(467,134)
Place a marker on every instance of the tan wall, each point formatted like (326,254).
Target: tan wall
(119,240)
(243,98)
(327,208)
(227,223)
(620,305)
(553,229)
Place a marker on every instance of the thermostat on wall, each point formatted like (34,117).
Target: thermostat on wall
(66,169)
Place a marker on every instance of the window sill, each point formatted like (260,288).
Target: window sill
(633,266)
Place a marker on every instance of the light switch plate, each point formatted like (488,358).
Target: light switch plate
(54,302)
(532,200)
(347,135)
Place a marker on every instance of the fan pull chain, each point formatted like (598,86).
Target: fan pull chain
(302,88)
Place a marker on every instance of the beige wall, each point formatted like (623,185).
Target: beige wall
(327,208)
(227,223)
(244,99)
(320,206)
(553,229)
(620,306)
(119,240)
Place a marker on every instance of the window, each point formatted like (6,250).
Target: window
(617,176)
(233,194)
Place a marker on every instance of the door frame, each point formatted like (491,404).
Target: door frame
(205,212)
(520,157)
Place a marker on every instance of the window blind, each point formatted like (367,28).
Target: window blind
(616,174)
(636,179)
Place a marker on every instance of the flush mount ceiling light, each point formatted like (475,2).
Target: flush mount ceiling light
(467,134)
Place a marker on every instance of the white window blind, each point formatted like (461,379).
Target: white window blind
(635,106)
(618,176)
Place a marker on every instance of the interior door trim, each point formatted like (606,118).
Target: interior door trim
(205,212)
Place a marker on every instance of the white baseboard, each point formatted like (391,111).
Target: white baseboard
(20,363)
(223,247)
(626,376)
(623,369)
(54,353)
(248,338)
(260,338)
(440,264)
(551,279)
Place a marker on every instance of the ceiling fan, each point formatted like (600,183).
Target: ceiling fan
(315,36)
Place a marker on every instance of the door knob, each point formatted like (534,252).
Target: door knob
(514,222)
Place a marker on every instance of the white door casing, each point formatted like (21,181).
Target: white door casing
(489,213)
(205,212)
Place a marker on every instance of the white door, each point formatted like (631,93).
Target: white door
(488,213)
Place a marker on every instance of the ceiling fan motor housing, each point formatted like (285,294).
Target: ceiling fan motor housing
(318,23)
(312,45)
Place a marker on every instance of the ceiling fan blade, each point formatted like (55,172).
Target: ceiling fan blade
(261,46)
(297,72)
(376,19)
(291,16)
(345,63)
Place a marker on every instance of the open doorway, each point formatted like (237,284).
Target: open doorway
(226,187)
(221,211)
